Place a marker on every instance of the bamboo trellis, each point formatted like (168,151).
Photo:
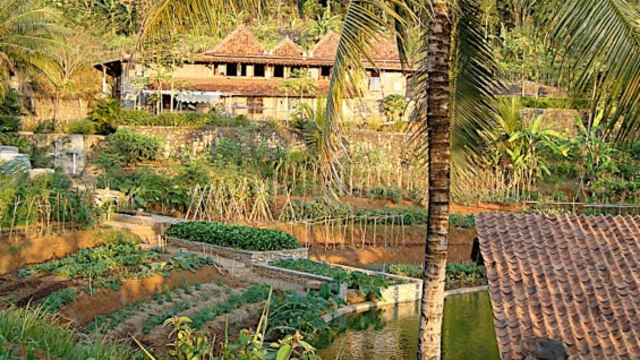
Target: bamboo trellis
(353,231)
(246,200)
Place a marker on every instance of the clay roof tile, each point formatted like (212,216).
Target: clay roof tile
(574,279)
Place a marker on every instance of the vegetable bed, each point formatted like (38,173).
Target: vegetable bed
(368,285)
(108,265)
(233,236)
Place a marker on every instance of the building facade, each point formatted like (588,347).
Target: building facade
(240,76)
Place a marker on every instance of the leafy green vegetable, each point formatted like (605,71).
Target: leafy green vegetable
(252,295)
(55,301)
(369,286)
(108,265)
(233,236)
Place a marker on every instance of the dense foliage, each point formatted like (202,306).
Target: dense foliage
(233,236)
(145,118)
(10,112)
(127,147)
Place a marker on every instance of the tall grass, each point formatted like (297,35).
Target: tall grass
(37,330)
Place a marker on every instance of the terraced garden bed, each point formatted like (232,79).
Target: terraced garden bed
(98,280)
(241,243)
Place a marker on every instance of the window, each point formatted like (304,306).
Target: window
(278,71)
(232,69)
(243,69)
(258,71)
(325,71)
(255,106)
(295,71)
(374,81)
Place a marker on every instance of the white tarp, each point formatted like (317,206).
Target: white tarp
(208,97)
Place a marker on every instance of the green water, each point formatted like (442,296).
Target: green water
(392,333)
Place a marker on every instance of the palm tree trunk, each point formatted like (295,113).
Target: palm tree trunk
(439,153)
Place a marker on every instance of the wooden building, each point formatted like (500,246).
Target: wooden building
(240,76)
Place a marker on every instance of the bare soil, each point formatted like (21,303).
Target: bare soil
(87,307)
(24,249)
(460,246)
(22,291)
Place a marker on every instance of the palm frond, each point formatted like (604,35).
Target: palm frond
(365,21)
(166,16)
(472,85)
(28,31)
(602,38)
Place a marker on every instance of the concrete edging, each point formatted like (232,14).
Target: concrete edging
(370,305)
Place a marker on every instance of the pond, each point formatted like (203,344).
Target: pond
(392,333)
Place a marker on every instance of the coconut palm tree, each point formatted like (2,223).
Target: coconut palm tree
(27,32)
(451,90)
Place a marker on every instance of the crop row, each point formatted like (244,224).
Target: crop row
(233,236)
(108,265)
(106,323)
(252,295)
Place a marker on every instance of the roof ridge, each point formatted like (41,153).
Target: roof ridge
(284,42)
(323,41)
(240,29)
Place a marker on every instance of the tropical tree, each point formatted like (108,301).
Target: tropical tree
(323,25)
(394,107)
(27,33)
(67,68)
(451,90)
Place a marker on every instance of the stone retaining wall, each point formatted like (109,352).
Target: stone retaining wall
(247,257)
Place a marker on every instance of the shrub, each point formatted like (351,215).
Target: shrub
(45,127)
(129,147)
(10,112)
(83,127)
(144,118)
(233,236)
(392,193)
(38,157)
(554,103)
(462,221)
(106,115)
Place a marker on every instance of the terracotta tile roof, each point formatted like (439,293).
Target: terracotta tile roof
(242,46)
(247,87)
(239,42)
(575,279)
(327,47)
(287,48)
